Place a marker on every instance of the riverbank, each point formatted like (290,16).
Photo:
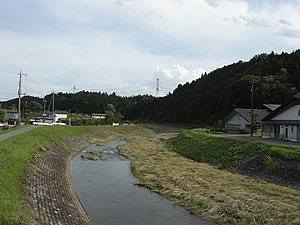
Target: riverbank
(274,163)
(39,195)
(50,190)
(219,195)
(16,161)
(33,165)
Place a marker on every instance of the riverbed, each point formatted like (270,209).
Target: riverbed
(109,193)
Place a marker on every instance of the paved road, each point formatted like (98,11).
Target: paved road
(16,132)
(260,139)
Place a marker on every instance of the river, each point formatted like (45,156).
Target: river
(107,190)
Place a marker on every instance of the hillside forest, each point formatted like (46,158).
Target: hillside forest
(276,77)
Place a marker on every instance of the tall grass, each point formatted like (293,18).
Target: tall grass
(225,152)
(15,156)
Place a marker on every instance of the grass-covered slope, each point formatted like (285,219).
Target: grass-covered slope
(15,156)
(227,153)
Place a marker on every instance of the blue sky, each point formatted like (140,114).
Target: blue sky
(124,45)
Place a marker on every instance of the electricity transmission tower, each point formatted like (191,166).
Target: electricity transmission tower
(157,87)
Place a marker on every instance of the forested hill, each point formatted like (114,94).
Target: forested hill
(213,96)
(205,100)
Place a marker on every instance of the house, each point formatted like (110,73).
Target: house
(59,116)
(12,114)
(284,121)
(240,119)
(99,116)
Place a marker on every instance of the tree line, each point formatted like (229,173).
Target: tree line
(205,100)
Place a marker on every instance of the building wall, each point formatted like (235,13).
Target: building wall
(285,132)
(268,131)
(61,116)
(292,113)
(12,116)
(237,119)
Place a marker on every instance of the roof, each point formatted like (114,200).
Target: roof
(289,103)
(246,114)
(271,107)
(98,114)
(61,112)
(58,112)
(11,111)
(281,122)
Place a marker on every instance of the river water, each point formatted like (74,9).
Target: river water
(107,190)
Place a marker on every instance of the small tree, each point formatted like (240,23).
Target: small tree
(2,116)
(112,116)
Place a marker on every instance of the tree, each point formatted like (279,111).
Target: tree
(35,107)
(112,116)
(2,116)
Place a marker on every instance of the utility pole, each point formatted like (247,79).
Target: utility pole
(20,95)
(157,87)
(45,102)
(53,108)
(252,122)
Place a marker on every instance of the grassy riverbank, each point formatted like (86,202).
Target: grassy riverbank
(203,189)
(219,195)
(15,156)
(228,153)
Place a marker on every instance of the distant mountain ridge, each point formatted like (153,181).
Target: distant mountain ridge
(213,96)
(205,100)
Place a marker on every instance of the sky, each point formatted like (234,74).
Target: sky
(123,46)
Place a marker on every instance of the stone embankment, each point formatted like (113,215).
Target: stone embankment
(49,189)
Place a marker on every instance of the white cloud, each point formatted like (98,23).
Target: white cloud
(178,74)
(117,44)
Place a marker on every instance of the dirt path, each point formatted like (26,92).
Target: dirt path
(16,132)
(50,190)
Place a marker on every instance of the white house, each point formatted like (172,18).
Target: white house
(240,119)
(99,116)
(284,122)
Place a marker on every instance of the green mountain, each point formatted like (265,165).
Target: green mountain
(276,78)
(214,95)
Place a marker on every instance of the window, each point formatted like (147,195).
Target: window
(298,112)
(233,127)
(292,129)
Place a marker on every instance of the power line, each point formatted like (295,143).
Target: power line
(4,70)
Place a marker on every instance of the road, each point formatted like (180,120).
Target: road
(260,139)
(16,132)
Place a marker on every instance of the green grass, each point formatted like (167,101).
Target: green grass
(227,153)
(15,156)
(165,128)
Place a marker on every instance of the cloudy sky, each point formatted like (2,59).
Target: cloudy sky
(124,45)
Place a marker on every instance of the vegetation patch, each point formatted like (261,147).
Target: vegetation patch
(274,163)
(92,155)
(219,195)
(227,153)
